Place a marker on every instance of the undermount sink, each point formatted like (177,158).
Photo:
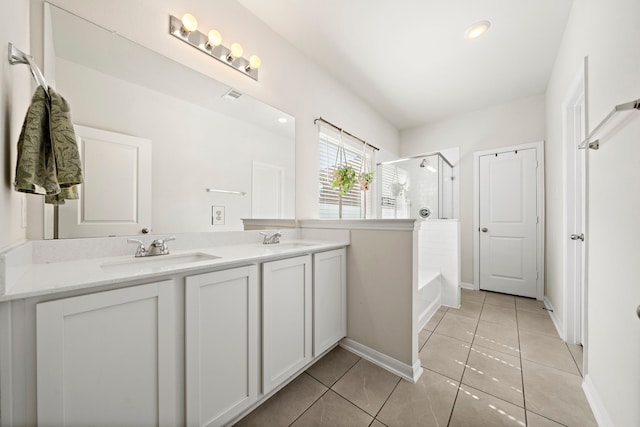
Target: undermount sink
(159,262)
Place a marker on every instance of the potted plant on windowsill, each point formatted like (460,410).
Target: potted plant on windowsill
(344,178)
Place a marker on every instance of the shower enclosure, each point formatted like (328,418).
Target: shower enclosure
(415,187)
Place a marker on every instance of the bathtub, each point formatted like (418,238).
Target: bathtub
(438,276)
(429,295)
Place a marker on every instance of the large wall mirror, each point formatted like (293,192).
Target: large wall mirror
(156,135)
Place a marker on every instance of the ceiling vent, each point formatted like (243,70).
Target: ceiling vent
(232,94)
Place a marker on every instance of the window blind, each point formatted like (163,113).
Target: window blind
(328,194)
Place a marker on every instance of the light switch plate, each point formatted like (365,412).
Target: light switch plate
(217,215)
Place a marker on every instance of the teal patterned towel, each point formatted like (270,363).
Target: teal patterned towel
(48,155)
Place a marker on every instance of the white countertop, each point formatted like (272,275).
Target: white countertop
(34,279)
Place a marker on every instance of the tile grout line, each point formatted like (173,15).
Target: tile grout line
(312,403)
(325,392)
(466,362)
(547,418)
(386,400)
(524,400)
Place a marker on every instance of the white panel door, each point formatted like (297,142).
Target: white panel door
(286,324)
(267,191)
(115,198)
(329,299)
(508,222)
(222,345)
(108,356)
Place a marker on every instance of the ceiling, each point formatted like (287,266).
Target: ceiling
(409,59)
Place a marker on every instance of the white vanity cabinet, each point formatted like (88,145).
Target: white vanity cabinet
(286,319)
(107,358)
(197,348)
(222,344)
(329,299)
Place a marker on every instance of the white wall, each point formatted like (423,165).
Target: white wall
(567,69)
(606,31)
(288,80)
(516,122)
(15,94)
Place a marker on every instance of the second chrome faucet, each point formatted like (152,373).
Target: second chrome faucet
(270,239)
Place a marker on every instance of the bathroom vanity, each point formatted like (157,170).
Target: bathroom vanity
(197,337)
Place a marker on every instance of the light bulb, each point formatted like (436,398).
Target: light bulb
(189,23)
(254,63)
(476,30)
(236,51)
(215,38)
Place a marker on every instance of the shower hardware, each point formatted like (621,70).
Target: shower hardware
(425,163)
(425,212)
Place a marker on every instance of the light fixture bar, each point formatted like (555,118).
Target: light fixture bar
(199,41)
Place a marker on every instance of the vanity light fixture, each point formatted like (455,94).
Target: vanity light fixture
(254,63)
(214,38)
(236,51)
(186,29)
(282,120)
(477,30)
(189,24)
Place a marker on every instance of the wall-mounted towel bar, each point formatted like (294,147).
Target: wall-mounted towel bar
(16,56)
(595,144)
(213,190)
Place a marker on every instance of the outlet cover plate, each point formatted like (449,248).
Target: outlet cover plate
(217,215)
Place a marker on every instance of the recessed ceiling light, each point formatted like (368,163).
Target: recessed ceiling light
(476,30)
(282,120)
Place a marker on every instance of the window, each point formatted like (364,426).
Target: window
(352,202)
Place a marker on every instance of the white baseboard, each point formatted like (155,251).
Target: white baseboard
(465,285)
(409,373)
(597,407)
(555,318)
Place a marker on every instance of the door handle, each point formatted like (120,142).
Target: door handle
(577,237)
(485,229)
(638,311)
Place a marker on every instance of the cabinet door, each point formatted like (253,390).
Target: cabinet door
(221,345)
(286,324)
(108,356)
(329,299)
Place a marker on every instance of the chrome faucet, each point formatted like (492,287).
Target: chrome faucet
(270,239)
(157,247)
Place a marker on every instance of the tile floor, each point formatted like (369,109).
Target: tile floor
(496,361)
